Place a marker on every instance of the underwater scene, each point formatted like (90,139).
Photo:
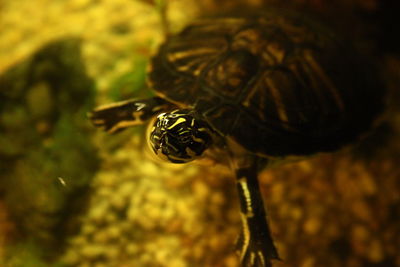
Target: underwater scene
(73,194)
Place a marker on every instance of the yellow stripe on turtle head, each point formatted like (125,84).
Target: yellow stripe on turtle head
(178,121)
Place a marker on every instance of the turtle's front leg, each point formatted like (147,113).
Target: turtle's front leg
(117,116)
(255,244)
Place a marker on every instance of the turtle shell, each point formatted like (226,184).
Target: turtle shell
(277,83)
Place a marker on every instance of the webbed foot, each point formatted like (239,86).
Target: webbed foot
(255,251)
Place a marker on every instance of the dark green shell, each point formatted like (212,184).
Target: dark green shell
(278,84)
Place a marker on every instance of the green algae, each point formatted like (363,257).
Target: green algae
(131,83)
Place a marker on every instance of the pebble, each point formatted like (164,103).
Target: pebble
(360,233)
(114,231)
(312,226)
(88,229)
(99,211)
(150,169)
(72,257)
(92,251)
(101,236)
(361,210)
(375,251)
(200,190)
(112,252)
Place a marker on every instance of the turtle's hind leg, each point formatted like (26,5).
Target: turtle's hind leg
(255,244)
(117,116)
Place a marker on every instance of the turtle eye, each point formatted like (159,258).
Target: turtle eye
(178,137)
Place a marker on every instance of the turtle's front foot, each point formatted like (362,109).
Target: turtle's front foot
(113,118)
(99,119)
(117,116)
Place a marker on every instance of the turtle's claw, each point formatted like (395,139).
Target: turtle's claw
(255,258)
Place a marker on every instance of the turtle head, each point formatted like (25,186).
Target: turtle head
(179,137)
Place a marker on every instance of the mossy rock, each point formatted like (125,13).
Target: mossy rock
(47,159)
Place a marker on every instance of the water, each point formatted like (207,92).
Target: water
(71,195)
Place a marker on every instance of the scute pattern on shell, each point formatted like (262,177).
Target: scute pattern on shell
(277,84)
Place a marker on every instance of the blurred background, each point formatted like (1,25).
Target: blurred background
(71,195)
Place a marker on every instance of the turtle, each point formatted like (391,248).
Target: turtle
(259,89)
